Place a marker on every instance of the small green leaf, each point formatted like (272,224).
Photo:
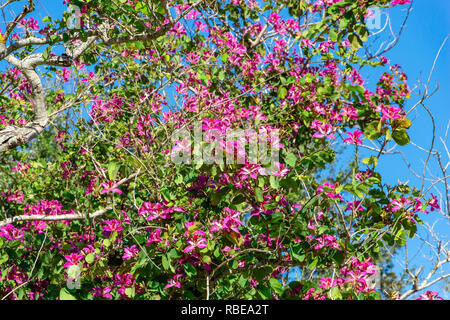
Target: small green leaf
(259,195)
(282,92)
(90,258)
(46,53)
(371,131)
(113,169)
(65,295)
(291,159)
(130,292)
(355,42)
(400,136)
(276,285)
(4,258)
(106,242)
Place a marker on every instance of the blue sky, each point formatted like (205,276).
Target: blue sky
(425,31)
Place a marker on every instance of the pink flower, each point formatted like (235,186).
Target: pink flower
(351,206)
(65,74)
(323,130)
(11,233)
(252,171)
(102,292)
(433,203)
(174,281)
(353,137)
(181,146)
(154,236)
(391,113)
(112,225)
(398,2)
(400,204)
(130,252)
(281,170)
(198,241)
(110,187)
(72,259)
(429,295)
(157,210)
(17,196)
(200,26)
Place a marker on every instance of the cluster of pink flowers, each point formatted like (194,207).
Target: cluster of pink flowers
(324,241)
(11,233)
(429,295)
(30,23)
(357,275)
(323,130)
(230,222)
(45,208)
(329,190)
(16,196)
(195,239)
(106,112)
(153,211)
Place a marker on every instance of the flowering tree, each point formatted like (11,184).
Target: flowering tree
(108,126)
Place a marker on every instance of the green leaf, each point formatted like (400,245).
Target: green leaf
(165,263)
(65,295)
(371,131)
(333,35)
(388,135)
(259,195)
(46,53)
(215,198)
(362,32)
(291,159)
(221,75)
(90,258)
(274,183)
(276,285)
(282,92)
(372,160)
(238,199)
(400,136)
(106,242)
(4,258)
(355,42)
(335,293)
(130,292)
(113,169)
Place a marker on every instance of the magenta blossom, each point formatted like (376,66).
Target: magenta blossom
(102,293)
(399,204)
(174,281)
(324,130)
(280,170)
(429,295)
(130,252)
(198,241)
(72,259)
(398,2)
(112,225)
(110,187)
(353,137)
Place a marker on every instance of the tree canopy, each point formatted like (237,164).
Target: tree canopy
(192,150)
